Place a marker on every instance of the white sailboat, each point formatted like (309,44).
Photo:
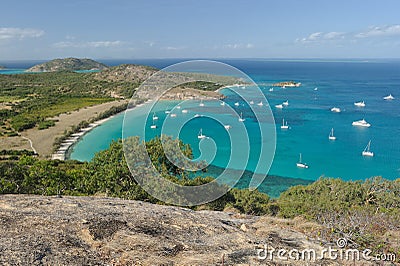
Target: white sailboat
(279,106)
(367,151)
(153,126)
(389,97)
(155,117)
(251,102)
(184,111)
(227,127)
(285,103)
(361,123)
(360,104)
(284,124)
(300,164)
(260,104)
(335,109)
(173,115)
(201,103)
(271,89)
(222,103)
(241,119)
(331,136)
(236,104)
(200,135)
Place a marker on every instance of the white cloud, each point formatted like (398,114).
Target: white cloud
(352,37)
(334,35)
(375,31)
(19,33)
(104,44)
(321,36)
(238,46)
(96,44)
(173,48)
(70,37)
(150,43)
(314,36)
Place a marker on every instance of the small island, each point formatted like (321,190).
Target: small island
(68,64)
(285,84)
(2,67)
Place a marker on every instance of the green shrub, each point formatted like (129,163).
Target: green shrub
(46,124)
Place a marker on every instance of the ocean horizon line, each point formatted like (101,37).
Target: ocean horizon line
(301,59)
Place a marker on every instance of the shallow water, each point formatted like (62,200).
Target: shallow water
(308,114)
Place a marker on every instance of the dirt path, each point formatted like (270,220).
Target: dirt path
(43,140)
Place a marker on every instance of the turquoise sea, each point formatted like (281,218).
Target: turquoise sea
(340,83)
(11,71)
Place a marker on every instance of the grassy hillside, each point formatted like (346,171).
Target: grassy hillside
(26,100)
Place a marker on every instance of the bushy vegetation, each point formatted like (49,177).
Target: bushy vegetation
(83,124)
(68,64)
(33,98)
(108,174)
(202,85)
(46,124)
(112,111)
(10,155)
(365,213)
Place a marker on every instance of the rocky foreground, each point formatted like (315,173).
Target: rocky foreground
(36,230)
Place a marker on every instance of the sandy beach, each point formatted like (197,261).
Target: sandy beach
(42,140)
(62,153)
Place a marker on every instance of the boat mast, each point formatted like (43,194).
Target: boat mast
(367,148)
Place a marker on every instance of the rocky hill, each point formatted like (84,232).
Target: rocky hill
(67,64)
(2,67)
(36,230)
(136,74)
(126,73)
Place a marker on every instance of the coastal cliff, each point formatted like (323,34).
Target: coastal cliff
(37,230)
(67,64)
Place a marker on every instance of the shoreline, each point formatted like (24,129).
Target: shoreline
(43,140)
(64,151)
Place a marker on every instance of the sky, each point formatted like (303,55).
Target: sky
(129,29)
